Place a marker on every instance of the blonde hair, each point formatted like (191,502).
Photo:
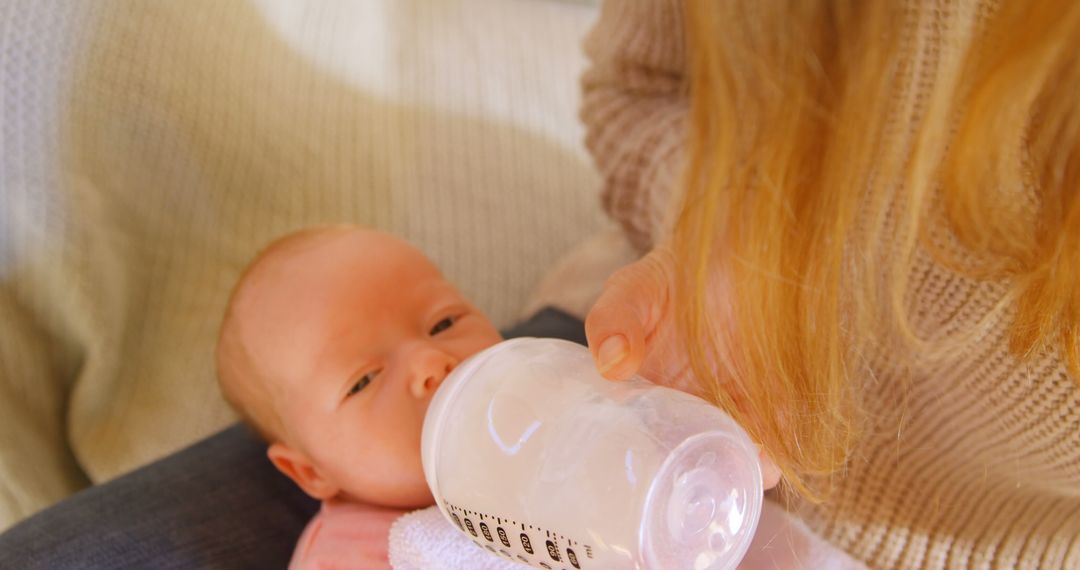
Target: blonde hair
(793,170)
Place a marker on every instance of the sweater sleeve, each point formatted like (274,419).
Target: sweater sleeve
(635,103)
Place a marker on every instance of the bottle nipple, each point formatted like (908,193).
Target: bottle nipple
(702,511)
(693,502)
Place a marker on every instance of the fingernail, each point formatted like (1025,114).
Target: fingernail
(612,351)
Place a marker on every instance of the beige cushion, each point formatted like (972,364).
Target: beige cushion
(151,147)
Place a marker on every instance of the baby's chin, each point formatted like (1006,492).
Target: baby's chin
(398,496)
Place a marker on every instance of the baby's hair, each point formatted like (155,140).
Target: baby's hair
(237,372)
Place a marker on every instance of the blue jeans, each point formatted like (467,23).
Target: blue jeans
(217,504)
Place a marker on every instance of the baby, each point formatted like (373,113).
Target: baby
(332,345)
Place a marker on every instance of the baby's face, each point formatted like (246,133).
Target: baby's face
(353,336)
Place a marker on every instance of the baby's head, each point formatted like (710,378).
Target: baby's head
(333,342)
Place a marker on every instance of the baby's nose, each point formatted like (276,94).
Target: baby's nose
(431,368)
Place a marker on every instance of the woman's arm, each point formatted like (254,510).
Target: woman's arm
(634,109)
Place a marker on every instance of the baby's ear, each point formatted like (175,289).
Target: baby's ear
(297,466)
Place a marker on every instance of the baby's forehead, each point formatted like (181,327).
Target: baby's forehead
(356,247)
(305,283)
(331,254)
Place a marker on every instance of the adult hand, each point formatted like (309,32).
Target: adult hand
(631,330)
(631,327)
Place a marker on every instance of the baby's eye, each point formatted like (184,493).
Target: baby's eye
(362,383)
(443,325)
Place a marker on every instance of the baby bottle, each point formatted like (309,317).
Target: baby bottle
(539,459)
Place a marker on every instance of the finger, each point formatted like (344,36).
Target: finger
(770,473)
(620,324)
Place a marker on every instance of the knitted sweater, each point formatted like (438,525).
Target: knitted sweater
(971,459)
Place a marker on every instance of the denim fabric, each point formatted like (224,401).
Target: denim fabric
(217,504)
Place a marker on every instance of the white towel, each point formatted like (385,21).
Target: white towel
(784,542)
(425,540)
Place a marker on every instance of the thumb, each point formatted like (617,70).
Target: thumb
(770,471)
(620,326)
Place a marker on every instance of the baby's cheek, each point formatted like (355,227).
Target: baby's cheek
(406,486)
(486,338)
(465,347)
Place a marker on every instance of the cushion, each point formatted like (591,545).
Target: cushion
(150,148)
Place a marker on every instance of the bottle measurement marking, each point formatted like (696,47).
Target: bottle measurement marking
(486,537)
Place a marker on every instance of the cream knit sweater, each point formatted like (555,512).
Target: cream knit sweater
(976,463)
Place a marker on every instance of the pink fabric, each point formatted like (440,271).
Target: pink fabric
(346,536)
